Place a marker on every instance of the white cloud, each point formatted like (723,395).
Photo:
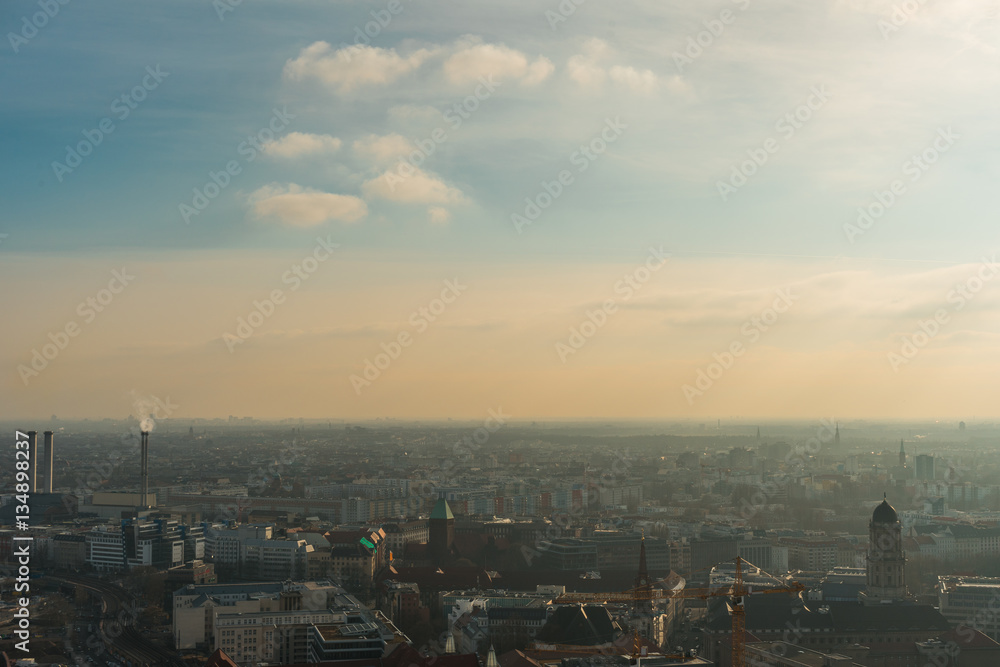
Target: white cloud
(439,215)
(538,71)
(411,186)
(295,144)
(587,71)
(346,69)
(303,207)
(383,149)
(473,60)
(406,113)
(583,71)
(643,81)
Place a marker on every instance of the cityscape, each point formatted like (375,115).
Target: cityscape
(534,333)
(507,542)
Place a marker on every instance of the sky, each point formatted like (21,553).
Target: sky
(637,209)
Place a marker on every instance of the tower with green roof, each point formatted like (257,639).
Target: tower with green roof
(441,528)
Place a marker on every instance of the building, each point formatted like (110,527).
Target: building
(886,578)
(441,531)
(811,553)
(889,632)
(135,543)
(925,467)
(68,551)
(196,608)
(971,602)
(789,654)
(359,640)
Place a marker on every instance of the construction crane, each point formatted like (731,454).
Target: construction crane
(735,592)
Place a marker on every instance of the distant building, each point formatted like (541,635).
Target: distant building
(811,553)
(925,467)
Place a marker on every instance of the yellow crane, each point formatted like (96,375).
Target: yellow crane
(735,592)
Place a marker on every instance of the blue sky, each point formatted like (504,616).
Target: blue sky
(889,85)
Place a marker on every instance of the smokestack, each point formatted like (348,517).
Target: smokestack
(144,490)
(33,460)
(50,455)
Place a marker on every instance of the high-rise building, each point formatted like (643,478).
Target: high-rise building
(925,467)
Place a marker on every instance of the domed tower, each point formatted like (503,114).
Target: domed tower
(886,561)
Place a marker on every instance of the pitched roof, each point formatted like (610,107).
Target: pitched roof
(442,510)
(579,625)
(220,659)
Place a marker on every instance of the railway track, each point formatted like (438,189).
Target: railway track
(117,626)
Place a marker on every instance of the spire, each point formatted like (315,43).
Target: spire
(643,574)
(449,645)
(491,659)
(643,585)
(836,434)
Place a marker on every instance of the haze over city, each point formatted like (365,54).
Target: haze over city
(534,333)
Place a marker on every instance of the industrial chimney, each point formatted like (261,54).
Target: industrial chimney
(50,455)
(33,459)
(144,490)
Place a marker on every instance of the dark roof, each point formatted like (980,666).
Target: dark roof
(403,655)
(515,613)
(779,612)
(579,625)
(884,513)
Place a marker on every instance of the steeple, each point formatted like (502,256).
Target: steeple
(836,435)
(643,585)
(902,454)
(758,432)
(643,578)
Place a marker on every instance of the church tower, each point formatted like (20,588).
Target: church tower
(441,532)
(902,455)
(886,562)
